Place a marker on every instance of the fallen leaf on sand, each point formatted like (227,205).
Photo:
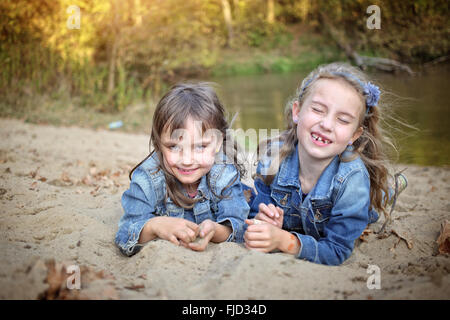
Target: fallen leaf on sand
(87,180)
(135,287)
(65,177)
(365,234)
(404,236)
(444,238)
(94,284)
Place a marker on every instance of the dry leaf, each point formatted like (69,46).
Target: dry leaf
(404,236)
(116,174)
(444,238)
(95,191)
(135,287)
(65,177)
(365,234)
(87,180)
(94,284)
(33,173)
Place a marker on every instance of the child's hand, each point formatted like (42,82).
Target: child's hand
(270,214)
(261,236)
(174,229)
(207,230)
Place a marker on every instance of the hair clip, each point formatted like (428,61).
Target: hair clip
(372,93)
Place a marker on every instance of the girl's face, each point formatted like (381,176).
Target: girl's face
(189,153)
(329,119)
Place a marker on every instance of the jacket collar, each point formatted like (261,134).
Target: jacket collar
(289,175)
(324,184)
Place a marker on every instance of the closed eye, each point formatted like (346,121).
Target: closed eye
(318,109)
(343,121)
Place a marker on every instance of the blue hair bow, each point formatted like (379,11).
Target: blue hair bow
(372,93)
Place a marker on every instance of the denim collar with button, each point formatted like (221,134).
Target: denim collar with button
(289,172)
(332,215)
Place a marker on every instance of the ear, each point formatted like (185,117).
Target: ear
(295,111)
(357,134)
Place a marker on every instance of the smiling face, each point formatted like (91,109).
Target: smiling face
(328,119)
(189,153)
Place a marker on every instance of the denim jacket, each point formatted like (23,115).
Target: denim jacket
(333,214)
(145,199)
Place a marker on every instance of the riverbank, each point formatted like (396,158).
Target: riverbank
(60,199)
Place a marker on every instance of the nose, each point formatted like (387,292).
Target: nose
(187,157)
(327,123)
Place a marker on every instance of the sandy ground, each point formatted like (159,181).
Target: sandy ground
(60,192)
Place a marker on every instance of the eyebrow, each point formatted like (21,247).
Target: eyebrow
(173,142)
(342,112)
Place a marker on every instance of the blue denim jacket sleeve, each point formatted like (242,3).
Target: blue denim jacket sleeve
(233,207)
(349,217)
(138,203)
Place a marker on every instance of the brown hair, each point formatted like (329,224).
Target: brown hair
(370,146)
(199,101)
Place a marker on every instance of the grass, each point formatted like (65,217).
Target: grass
(68,112)
(91,108)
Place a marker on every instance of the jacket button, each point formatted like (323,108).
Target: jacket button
(284,200)
(318,215)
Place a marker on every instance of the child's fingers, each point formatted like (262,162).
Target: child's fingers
(255,225)
(257,244)
(183,235)
(255,236)
(263,217)
(206,228)
(198,246)
(252,222)
(263,208)
(274,210)
(193,226)
(202,243)
(174,240)
(192,235)
(184,244)
(280,211)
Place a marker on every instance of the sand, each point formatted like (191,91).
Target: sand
(60,191)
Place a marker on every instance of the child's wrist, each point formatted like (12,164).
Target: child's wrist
(148,232)
(221,232)
(288,242)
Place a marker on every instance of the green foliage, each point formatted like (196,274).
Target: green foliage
(127,50)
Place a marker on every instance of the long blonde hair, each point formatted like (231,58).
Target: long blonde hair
(370,146)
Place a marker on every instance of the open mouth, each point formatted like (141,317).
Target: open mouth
(186,171)
(319,139)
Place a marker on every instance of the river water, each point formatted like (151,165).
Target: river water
(420,100)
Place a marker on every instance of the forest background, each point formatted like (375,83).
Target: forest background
(119,53)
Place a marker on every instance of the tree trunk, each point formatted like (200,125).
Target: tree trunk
(270,11)
(112,66)
(383,64)
(228,21)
